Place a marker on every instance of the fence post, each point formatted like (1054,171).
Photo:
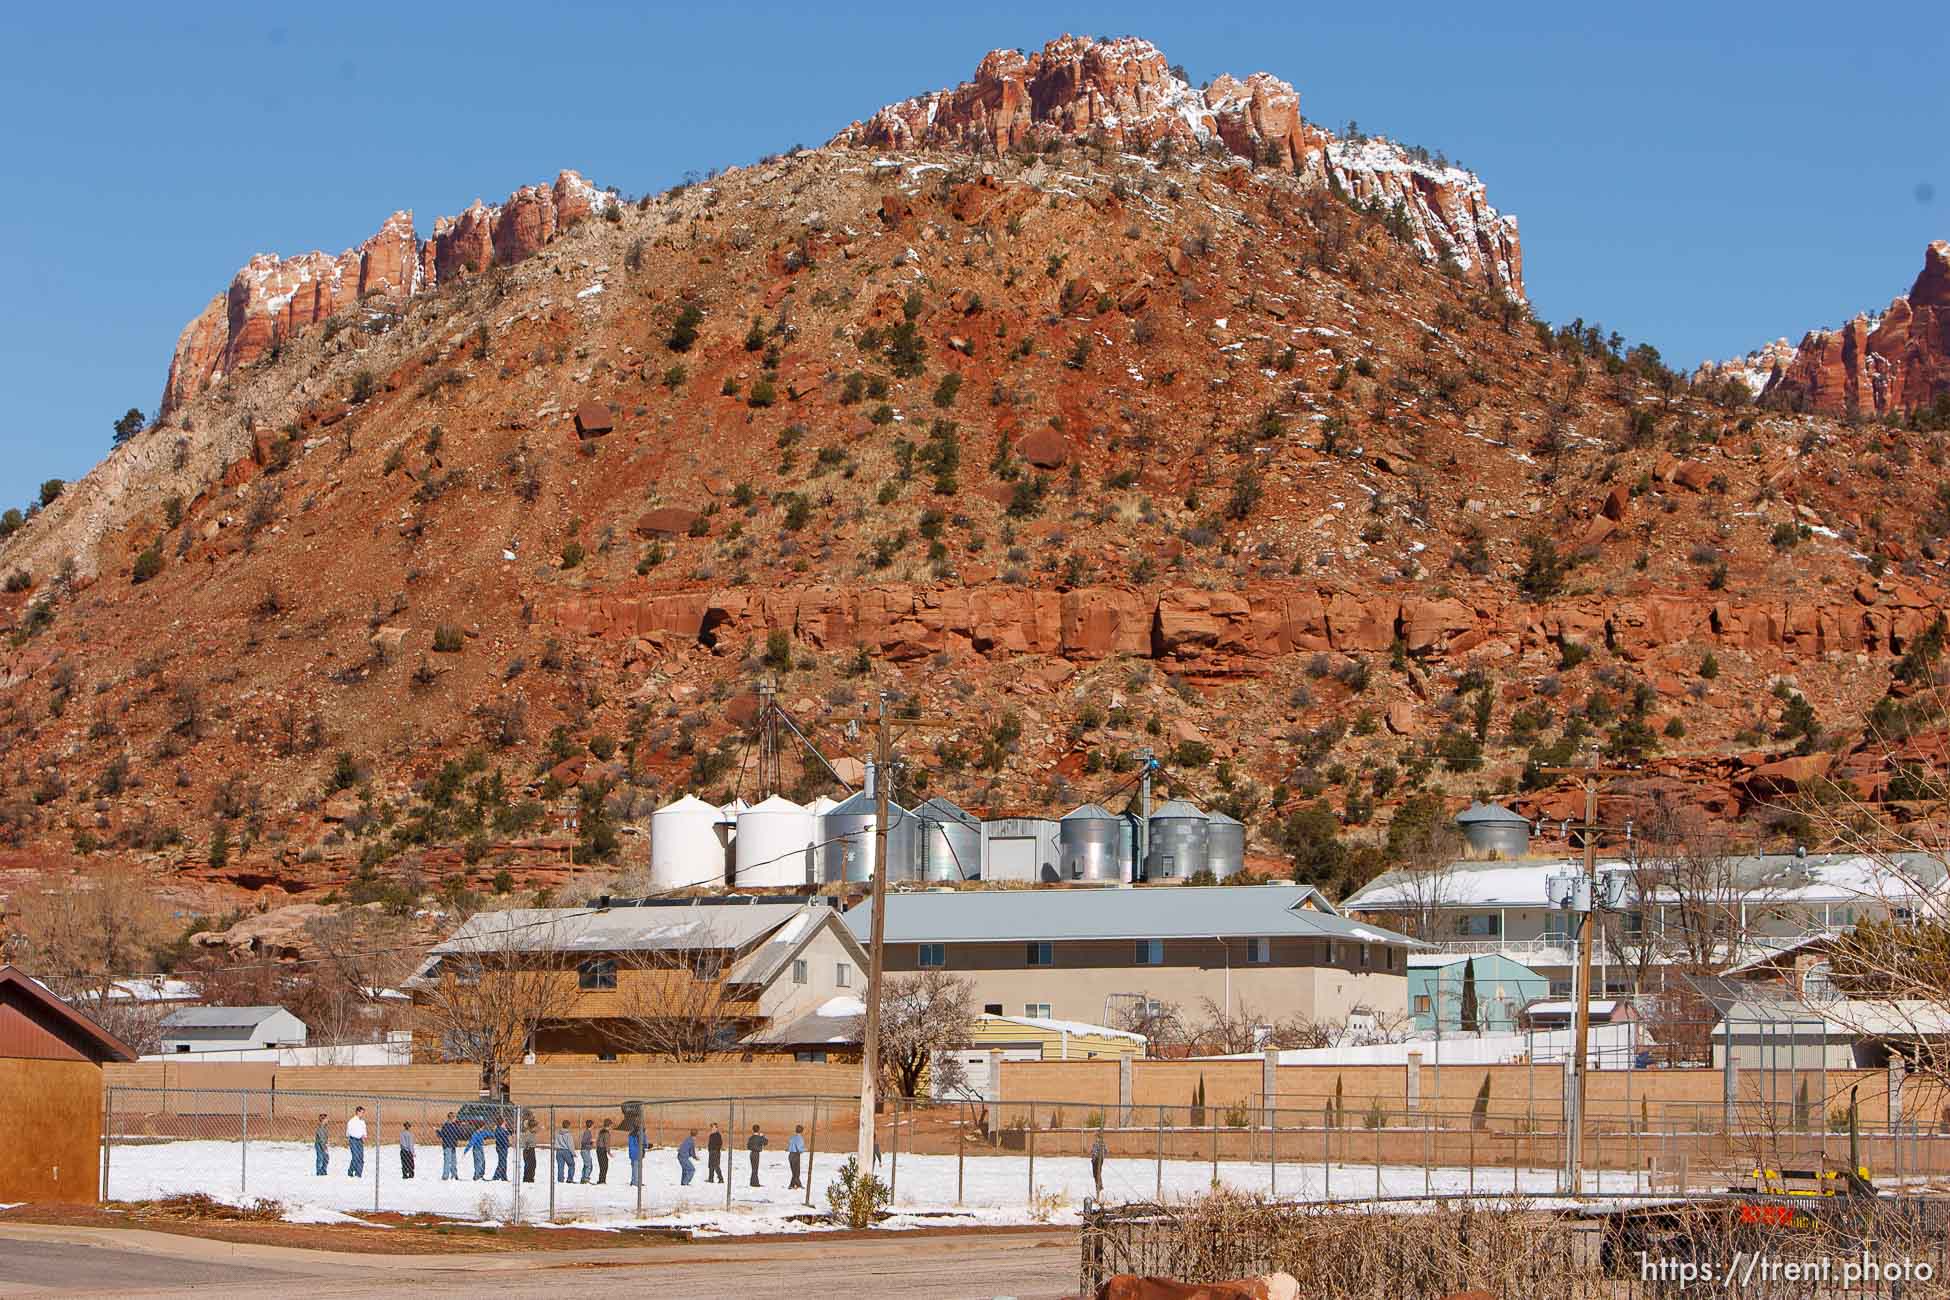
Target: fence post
(730,1156)
(894,1173)
(549,1151)
(961,1156)
(1215,1153)
(812,1145)
(1272,1150)
(244,1155)
(514,1164)
(377,1130)
(1031,1143)
(1326,1151)
(1160,1195)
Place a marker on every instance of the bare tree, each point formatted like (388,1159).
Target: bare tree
(1161,1024)
(1362,1027)
(96,929)
(924,1019)
(679,1002)
(1425,889)
(488,991)
(364,951)
(1224,1032)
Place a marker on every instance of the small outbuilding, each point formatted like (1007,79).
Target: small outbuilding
(231,1029)
(51,1059)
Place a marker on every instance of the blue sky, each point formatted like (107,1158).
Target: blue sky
(1703,182)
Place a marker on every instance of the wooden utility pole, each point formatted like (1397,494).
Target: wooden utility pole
(883,752)
(1581,984)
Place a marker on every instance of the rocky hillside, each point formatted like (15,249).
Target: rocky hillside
(1093,411)
(1894,362)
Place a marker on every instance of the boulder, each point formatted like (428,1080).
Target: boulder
(667,521)
(593,420)
(1045,449)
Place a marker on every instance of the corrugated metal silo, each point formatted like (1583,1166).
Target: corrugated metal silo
(846,841)
(1130,832)
(774,845)
(1177,842)
(950,842)
(1087,838)
(687,846)
(1225,845)
(1491,830)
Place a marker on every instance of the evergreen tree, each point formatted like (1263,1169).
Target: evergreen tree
(1471,1021)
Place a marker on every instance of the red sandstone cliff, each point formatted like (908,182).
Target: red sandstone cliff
(1123,93)
(1898,362)
(273,298)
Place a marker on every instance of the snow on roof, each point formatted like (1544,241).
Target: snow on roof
(703,923)
(1489,813)
(841,1006)
(1599,1007)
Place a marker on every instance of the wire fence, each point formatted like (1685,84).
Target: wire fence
(619,1159)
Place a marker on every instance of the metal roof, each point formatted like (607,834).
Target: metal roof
(862,804)
(39,1005)
(1489,813)
(705,924)
(1176,808)
(1088,812)
(1160,912)
(220,1017)
(1217,818)
(940,809)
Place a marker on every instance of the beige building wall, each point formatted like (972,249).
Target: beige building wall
(1083,976)
(785,1000)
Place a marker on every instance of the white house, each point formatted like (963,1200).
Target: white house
(230,1029)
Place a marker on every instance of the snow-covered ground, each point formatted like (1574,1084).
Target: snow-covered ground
(995,1189)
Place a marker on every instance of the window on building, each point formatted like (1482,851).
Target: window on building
(1150,952)
(1036,1010)
(991,1008)
(1039,954)
(606,1056)
(596,973)
(1259,952)
(1330,952)
(843,975)
(1421,1004)
(1557,927)
(800,974)
(1482,925)
(933,955)
(815,1057)
(1632,924)
(1366,953)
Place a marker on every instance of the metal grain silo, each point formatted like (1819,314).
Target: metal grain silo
(1087,840)
(1176,845)
(687,845)
(950,846)
(775,844)
(1225,845)
(1491,830)
(846,841)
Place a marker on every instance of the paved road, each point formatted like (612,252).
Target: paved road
(87,1262)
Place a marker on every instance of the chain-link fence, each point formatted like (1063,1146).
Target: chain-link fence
(692,1161)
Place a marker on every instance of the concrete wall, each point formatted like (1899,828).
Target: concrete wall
(50,1130)
(1520,1096)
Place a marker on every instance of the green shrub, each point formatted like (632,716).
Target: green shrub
(683,332)
(572,555)
(856,1198)
(446,639)
(147,565)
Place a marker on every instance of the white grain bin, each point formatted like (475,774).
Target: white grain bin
(823,805)
(687,846)
(775,844)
